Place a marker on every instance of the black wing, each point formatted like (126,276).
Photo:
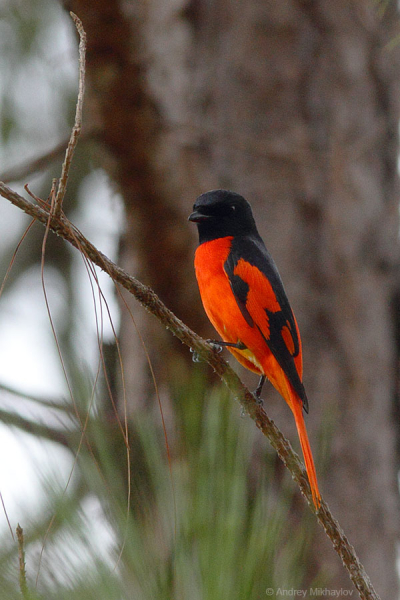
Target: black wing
(282,338)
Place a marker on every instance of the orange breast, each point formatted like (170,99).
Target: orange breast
(221,306)
(215,290)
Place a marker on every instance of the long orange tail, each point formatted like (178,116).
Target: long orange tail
(297,410)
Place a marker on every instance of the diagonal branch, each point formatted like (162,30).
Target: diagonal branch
(60,404)
(67,439)
(30,167)
(151,302)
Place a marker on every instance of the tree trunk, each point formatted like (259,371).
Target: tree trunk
(294,105)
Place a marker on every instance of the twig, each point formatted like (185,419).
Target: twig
(30,167)
(60,404)
(68,439)
(3,504)
(153,304)
(76,130)
(33,166)
(21,555)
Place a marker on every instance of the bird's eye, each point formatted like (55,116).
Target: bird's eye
(233,207)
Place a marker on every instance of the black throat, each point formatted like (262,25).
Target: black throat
(215,228)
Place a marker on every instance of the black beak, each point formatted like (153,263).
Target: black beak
(198,217)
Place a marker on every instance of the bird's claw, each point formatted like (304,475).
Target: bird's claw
(215,346)
(257,398)
(196,356)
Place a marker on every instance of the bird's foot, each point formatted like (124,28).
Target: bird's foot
(257,398)
(196,356)
(258,390)
(219,344)
(215,345)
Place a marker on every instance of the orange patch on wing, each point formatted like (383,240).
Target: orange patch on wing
(261,296)
(287,338)
(259,286)
(298,360)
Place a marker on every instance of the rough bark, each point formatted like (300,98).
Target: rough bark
(294,104)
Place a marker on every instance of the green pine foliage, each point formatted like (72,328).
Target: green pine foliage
(212,523)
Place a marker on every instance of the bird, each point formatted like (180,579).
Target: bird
(244,298)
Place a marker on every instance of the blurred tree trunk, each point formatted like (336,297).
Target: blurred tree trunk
(293,104)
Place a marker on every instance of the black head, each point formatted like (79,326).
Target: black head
(220,213)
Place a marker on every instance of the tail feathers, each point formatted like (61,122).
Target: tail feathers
(297,409)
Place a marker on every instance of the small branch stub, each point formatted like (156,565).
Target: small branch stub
(21,556)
